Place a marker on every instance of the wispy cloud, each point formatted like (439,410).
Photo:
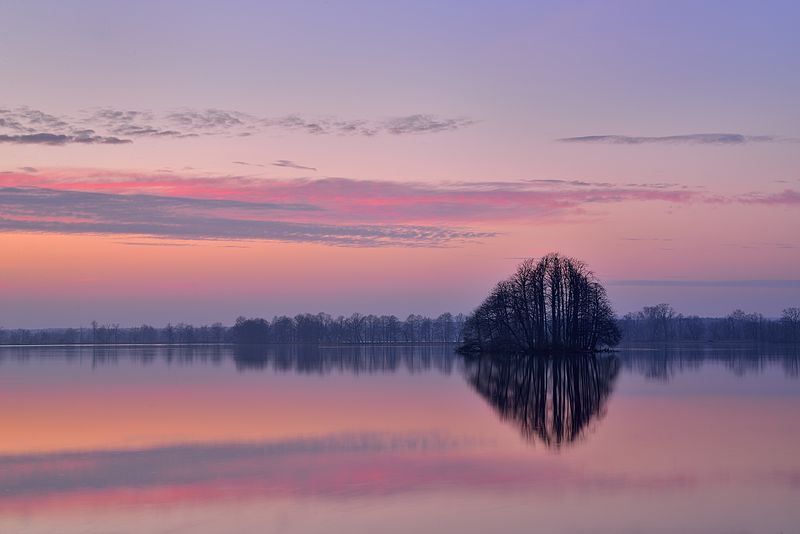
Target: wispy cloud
(129,123)
(34,209)
(26,126)
(418,124)
(85,138)
(692,139)
(762,284)
(763,245)
(209,120)
(403,125)
(118,126)
(155,244)
(645,239)
(247,164)
(26,120)
(332,210)
(785,197)
(321,125)
(292,165)
(372,201)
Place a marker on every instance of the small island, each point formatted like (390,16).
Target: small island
(552,306)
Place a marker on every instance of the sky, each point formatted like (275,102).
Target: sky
(195,161)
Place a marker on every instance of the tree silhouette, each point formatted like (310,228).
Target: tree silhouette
(553,305)
(791,324)
(250,331)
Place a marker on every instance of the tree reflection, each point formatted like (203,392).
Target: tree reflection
(354,359)
(553,400)
(665,361)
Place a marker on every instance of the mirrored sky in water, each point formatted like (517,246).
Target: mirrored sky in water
(392,439)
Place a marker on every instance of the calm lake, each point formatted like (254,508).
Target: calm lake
(397,439)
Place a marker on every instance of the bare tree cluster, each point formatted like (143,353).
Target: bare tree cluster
(553,305)
(355,329)
(661,323)
(113,334)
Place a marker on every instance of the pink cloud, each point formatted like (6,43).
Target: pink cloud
(349,200)
(785,197)
(334,210)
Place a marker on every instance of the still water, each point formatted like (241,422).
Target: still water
(397,439)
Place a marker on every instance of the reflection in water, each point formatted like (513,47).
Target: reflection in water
(664,362)
(553,399)
(265,467)
(352,359)
(301,359)
(657,362)
(212,439)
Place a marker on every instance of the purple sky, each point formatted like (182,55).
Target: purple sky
(193,161)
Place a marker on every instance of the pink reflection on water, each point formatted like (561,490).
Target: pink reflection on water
(212,438)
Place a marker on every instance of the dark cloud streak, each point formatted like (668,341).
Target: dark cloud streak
(292,165)
(761,284)
(420,124)
(57,211)
(692,139)
(245,163)
(50,139)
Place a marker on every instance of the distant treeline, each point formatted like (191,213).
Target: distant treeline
(661,323)
(305,328)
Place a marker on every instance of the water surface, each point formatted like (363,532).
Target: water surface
(395,439)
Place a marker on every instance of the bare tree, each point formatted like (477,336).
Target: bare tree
(790,319)
(555,304)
